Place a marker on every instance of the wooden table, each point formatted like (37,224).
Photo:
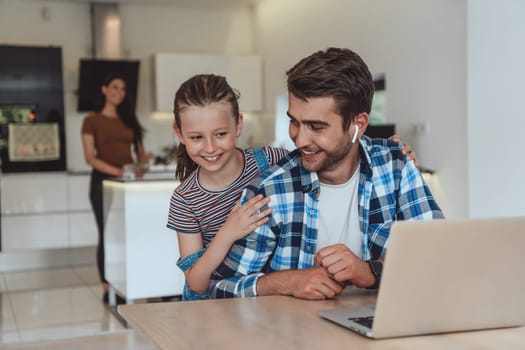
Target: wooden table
(278,322)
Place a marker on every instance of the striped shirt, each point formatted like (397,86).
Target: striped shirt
(390,189)
(196,210)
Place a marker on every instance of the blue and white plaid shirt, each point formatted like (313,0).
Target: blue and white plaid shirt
(390,189)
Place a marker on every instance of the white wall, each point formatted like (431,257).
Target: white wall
(145,30)
(420,45)
(496,115)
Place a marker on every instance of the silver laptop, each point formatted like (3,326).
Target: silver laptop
(446,276)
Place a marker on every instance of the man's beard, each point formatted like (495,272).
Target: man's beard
(331,160)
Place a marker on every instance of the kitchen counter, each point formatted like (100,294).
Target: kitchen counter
(141,252)
(155,172)
(149,176)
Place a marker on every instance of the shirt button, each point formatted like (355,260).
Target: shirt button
(308,248)
(312,212)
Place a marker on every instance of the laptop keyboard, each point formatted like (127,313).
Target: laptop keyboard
(365,321)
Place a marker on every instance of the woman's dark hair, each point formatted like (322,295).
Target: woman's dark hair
(336,72)
(200,90)
(125,110)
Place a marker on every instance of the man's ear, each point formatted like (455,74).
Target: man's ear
(177,132)
(361,120)
(240,122)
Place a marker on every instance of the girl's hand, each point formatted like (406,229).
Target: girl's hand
(245,218)
(407,149)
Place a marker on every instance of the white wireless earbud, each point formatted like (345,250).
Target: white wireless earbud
(355,134)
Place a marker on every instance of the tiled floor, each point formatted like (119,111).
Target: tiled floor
(60,308)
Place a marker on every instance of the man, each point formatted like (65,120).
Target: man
(333,199)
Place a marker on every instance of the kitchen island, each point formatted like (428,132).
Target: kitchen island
(141,252)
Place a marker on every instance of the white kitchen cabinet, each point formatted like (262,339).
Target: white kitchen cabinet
(141,252)
(32,193)
(243,73)
(41,231)
(46,211)
(82,229)
(78,192)
(82,224)
(34,211)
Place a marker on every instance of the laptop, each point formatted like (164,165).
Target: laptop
(446,276)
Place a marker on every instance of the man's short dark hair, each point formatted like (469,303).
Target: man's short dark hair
(335,72)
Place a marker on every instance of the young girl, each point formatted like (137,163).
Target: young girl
(213,172)
(107,136)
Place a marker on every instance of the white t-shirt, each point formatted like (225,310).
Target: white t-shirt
(338,215)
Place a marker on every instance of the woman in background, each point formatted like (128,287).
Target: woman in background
(107,136)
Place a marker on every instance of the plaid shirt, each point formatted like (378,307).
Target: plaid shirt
(390,189)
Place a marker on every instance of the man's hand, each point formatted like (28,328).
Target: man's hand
(312,284)
(345,266)
(407,149)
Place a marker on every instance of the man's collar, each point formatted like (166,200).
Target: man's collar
(364,151)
